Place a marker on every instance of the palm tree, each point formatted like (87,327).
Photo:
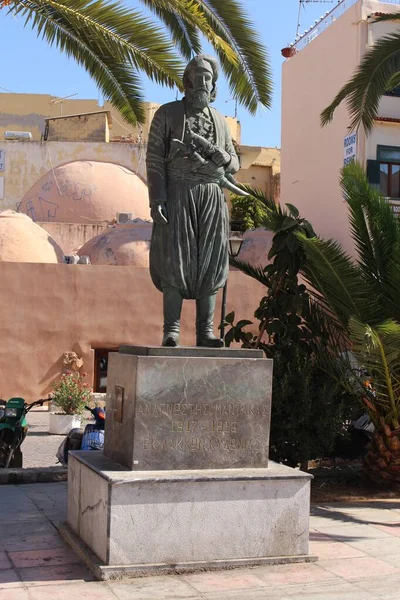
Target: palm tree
(362,296)
(116,44)
(355,307)
(379,72)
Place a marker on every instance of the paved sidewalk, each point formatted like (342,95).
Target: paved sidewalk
(39,447)
(358,546)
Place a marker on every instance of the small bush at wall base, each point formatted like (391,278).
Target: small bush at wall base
(71,394)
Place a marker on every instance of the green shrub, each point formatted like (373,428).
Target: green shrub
(309,407)
(71,394)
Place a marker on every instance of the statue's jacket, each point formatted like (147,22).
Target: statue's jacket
(191,252)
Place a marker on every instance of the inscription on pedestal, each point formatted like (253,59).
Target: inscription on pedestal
(203,427)
(213,423)
(188,413)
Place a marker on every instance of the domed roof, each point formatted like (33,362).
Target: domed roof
(22,240)
(86,191)
(256,245)
(122,245)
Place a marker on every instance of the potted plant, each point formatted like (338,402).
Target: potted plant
(70,394)
(288,51)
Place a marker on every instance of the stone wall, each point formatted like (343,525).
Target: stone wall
(92,127)
(71,236)
(50,309)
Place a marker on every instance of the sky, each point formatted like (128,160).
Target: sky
(28,65)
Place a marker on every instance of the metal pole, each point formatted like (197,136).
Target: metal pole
(223,309)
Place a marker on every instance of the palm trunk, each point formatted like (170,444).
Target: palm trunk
(382,462)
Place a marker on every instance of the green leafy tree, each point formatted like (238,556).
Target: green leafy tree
(308,407)
(378,73)
(116,44)
(247,210)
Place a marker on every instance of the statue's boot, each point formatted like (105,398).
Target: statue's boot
(172,301)
(205,323)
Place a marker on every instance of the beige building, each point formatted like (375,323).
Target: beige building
(44,115)
(261,168)
(27,112)
(322,61)
(90,127)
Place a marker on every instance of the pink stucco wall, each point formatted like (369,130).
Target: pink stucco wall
(313,156)
(58,308)
(71,236)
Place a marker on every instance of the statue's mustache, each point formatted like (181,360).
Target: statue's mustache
(199,90)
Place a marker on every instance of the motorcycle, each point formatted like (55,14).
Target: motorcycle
(13,430)
(90,438)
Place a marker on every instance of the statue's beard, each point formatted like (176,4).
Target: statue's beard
(198,99)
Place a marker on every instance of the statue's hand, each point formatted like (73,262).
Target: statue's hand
(159,214)
(188,136)
(211,169)
(220,157)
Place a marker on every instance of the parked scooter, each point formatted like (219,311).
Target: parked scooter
(90,438)
(13,430)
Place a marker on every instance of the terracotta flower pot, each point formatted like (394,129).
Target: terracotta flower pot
(288,52)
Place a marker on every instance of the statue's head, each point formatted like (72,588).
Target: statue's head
(199,80)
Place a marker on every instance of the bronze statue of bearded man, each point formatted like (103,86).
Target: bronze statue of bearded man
(190,157)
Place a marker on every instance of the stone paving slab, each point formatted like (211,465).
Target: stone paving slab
(359,558)
(39,447)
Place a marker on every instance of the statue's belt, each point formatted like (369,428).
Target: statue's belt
(176,177)
(195,179)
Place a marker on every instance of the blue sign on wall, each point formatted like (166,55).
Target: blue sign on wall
(350,148)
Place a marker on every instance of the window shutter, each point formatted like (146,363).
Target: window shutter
(374,172)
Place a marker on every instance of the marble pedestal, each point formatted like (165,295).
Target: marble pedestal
(188,408)
(184,481)
(130,522)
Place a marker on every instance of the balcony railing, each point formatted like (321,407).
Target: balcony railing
(324,22)
(395,204)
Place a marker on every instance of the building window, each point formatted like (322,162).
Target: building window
(390,180)
(101,369)
(389,171)
(394,92)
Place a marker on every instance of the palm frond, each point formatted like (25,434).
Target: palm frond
(183,32)
(393,82)
(240,50)
(336,279)
(327,327)
(251,80)
(250,270)
(331,344)
(370,81)
(378,350)
(370,215)
(111,42)
(391,289)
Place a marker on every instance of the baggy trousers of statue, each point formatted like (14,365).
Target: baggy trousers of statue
(188,256)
